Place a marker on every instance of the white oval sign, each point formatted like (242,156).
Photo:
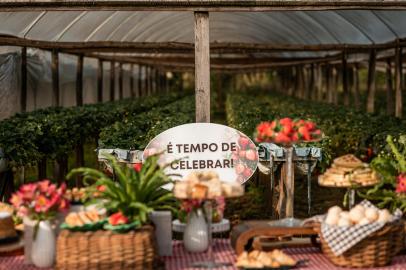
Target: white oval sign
(206,147)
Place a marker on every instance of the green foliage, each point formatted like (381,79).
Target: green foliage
(53,132)
(346,130)
(135,194)
(136,131)
(389,165)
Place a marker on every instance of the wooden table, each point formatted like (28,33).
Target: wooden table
(244,232)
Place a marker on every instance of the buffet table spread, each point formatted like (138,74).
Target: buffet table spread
(181,259)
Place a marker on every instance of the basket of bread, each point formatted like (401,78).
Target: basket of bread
(364,236)
(84,221)
(275,259)
(348,171)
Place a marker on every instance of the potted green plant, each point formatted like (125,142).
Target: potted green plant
(391,191)
(133,193)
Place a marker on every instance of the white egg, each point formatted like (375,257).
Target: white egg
(331,219)
(345,214)
(344,222)
(360,207)
(334,210)
(364,221)
(356,214)
(384,216)
(371,214)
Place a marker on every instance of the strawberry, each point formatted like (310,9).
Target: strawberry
(117,219)
(239,168)
(247,172)
(310,125)
(243,142)
(282,138)
(269,133)
(253,146)
(241,154)
(286,121)
(300,123)
(295,137)
(250,155)
(137,167)
(287,128)
(305,133)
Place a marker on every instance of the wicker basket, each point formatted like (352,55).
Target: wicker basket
(376,250)
(107,250)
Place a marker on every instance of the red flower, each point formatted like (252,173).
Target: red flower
(137,167)
(401,183)
(101,188)
(117,219)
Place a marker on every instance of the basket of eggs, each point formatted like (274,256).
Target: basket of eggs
(364,236)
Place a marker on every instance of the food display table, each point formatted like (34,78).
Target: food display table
(222,226)
(223,251)
(303,158)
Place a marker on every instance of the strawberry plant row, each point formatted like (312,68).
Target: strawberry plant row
(136,131)
(52,133)
(346,130)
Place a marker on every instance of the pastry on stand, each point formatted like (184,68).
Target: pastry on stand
(349,172)
(207,186)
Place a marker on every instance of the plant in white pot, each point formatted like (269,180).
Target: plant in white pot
(38,204)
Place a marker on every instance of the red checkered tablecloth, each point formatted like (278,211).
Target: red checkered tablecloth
(182,259)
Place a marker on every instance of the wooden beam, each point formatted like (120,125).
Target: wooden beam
(398,83)
(100,81)
(182,48)
(156,80)
(390,104)
(319,83)
(218,64)
(23,94)
(148,80)
(202,66)
(112,80)
(344,69)
(197,5)
(132,85)
(356,88)
(140,92)
(329,84)
(55,78)
(79,81)
(120,82)
(371,82)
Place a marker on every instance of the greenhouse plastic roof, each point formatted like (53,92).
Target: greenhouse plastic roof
(365,27)
(279,27)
